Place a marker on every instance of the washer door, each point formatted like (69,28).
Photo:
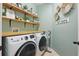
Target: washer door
(27,49)
(42,43)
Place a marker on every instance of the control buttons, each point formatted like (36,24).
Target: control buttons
(21,38)
(35,39)
(26,38)
(31,36)
(17,40)
(11,38)
(43,33)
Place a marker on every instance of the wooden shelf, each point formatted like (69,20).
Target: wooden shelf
(5,34)
(7,18)
(15,8)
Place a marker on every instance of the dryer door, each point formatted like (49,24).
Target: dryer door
(42,43)
(27,49)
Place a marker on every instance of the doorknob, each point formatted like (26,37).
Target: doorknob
(76,43)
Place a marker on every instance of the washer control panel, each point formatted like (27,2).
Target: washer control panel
(26,37)
(20,38)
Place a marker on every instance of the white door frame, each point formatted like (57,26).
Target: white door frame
(78,27)
(0,27)
(0,22)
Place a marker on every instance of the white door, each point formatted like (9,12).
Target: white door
(78,28)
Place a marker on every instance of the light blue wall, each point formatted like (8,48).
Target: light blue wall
(63,35)
(45,12)
(32,5)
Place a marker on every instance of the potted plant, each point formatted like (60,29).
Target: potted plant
(25,7)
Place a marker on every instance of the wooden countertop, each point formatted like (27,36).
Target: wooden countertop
(4,34)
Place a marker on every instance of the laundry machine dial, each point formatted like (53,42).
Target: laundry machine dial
(26,38)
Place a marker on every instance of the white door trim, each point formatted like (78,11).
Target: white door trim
(78,28)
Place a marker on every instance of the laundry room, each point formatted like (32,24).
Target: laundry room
(39,29)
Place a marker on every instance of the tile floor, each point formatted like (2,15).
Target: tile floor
(53,53)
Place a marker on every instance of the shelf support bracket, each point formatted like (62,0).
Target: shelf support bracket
(24,25)
(10,22)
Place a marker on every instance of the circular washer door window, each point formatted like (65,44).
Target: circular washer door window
(27,49)
(42,43)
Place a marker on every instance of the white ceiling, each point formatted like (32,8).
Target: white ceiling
(39,4)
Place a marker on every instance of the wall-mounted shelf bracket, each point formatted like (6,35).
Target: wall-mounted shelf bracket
(10,23)
(24,24)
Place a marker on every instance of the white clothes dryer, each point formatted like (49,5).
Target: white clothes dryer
(41,40)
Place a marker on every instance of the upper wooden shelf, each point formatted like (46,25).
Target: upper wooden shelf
(5,34)
(7,18)
(15,8)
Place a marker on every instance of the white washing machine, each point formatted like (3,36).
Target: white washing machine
(22,45)
(41,40)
